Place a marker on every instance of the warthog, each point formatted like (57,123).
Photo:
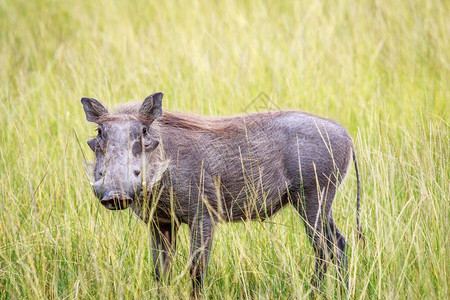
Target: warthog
(173,168)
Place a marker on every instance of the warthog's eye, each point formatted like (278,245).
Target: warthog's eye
(144,130)
(99,131)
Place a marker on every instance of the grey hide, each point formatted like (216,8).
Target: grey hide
(176,168)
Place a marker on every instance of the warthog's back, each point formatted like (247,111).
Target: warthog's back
(251,161)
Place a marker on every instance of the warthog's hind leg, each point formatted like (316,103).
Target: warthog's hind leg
(328,243)
(337,246)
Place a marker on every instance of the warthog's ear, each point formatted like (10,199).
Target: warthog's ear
(151,108)
(94,110)
(92,143)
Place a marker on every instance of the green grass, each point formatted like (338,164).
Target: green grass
(380,68)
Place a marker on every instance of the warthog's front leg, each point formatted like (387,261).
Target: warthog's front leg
(202,230)
(163,248)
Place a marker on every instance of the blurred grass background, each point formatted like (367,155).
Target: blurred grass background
(380,68)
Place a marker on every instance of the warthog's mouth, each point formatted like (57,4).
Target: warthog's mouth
(116,201)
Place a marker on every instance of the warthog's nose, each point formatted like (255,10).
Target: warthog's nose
(116,201)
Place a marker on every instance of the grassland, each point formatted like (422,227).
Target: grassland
(381,68)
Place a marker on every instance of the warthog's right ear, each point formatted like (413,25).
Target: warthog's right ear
(151,108)
(94,110)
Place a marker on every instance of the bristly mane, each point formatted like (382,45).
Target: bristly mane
(130,111)
(223,125)
(201,123)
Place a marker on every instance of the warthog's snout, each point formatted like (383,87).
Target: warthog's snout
(116,201)
(115,194)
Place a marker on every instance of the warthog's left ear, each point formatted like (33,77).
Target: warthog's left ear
(151,108)
(94,110)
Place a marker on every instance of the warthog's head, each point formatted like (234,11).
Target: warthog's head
(125,150)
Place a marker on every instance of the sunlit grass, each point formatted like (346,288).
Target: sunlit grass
(380,68)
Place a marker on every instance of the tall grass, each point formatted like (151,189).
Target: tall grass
(381,68)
